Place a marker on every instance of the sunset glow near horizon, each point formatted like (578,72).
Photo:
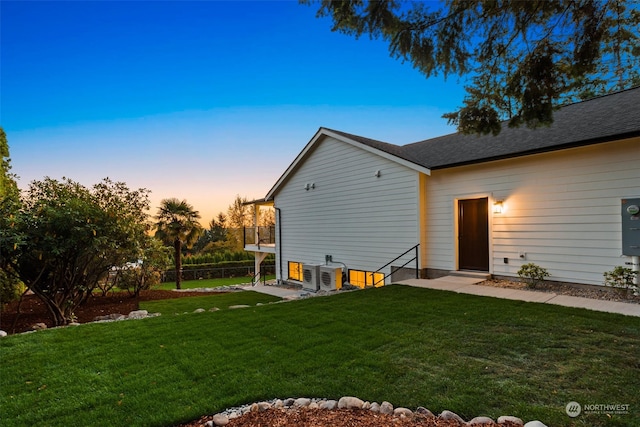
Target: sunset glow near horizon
(199,101)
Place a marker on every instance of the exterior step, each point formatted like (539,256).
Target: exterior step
(474,274)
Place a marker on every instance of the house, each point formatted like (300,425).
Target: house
(551,196)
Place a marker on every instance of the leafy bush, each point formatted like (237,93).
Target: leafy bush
(532,274)
(10,288)
(621,278)
(135,280)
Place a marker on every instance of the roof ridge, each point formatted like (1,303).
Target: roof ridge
(602,95)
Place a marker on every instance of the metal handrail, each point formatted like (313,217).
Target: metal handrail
(256,278)
(414,248)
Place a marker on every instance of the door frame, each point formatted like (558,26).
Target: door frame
(456,227)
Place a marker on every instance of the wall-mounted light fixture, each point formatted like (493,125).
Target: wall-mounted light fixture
(498,206)
(377,173)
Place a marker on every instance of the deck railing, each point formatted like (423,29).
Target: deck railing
(264,236)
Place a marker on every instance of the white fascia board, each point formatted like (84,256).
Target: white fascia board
(381,153)
(325,132)
(293,165)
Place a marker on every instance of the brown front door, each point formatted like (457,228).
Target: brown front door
(473,234)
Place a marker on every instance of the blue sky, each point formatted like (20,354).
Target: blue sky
(196,100)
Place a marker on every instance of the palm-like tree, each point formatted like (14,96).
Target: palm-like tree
(177,224)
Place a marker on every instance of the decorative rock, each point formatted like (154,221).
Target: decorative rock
(403,412)
(214,309)
(329,404)
(233,307)
(448,415)
(199,310)
(3,334)
(350,402)
(509,419)
(220,420)
(300,402)
(138,314)
(263,406)
(479,421)
(425,412)
(386,408)
(39,326)
(74,324)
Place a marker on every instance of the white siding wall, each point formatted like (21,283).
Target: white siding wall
(562,210)
(359,219)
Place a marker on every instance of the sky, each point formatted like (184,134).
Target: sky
(202,101)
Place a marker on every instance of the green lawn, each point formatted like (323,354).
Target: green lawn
(209,283)
(472,355)
(222,301)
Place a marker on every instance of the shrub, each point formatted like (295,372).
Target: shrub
(135,280)
(10,288)
(621,278)
(532,274)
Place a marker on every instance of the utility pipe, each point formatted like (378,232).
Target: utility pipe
(279,224)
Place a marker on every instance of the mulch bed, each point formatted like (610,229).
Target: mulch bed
(305,417)
(33,311)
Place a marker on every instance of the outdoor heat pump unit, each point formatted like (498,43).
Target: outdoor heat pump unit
(310,277)
(330,278)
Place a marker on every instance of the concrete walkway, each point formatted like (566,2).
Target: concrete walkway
(276,291)
(469,285)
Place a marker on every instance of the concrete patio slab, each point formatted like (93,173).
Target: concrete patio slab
(469,285)
(276,291)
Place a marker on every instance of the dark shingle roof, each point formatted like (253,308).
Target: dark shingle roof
(396,150)
(601,119)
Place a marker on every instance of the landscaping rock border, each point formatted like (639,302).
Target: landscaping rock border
(350,402)
(221,289)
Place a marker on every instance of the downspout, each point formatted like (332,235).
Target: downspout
(279,220)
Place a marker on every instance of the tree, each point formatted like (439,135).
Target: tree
(237,219)
(177,225)
(8,186)
(9,207)
(213,238)
(523,58)
(66,238)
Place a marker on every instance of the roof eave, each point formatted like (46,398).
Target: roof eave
(322,132)
(573,144)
